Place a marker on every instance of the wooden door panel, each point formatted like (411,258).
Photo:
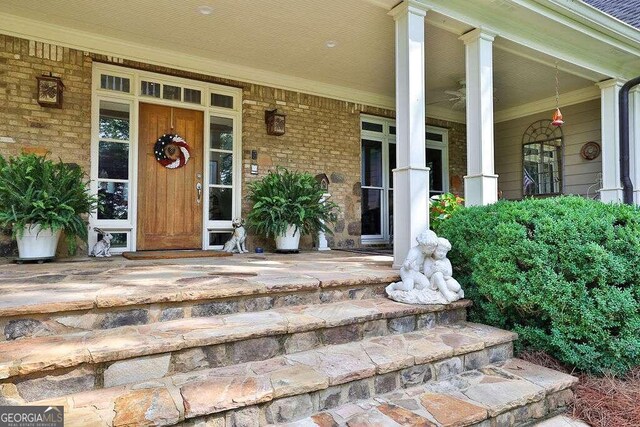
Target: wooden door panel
(169,216)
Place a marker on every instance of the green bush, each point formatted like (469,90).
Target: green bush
(36,190)
(562,272)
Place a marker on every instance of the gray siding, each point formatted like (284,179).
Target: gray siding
(582,124)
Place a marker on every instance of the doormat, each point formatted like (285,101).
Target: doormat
(174,254)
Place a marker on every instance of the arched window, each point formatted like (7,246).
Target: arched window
(542,159)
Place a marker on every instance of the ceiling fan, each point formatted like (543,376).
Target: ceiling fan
(458,96)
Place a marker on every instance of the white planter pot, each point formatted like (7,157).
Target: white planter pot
(289,241)
(38,243)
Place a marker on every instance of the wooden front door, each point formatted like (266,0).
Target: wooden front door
(169,203)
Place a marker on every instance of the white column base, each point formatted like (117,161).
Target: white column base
(611,195)
(480,190)
(410,209)
(636,196)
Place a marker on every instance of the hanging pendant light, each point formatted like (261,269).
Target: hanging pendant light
(557,115)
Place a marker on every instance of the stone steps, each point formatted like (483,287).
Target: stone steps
(289,387)
(56,365)
(142,295)
(516,393)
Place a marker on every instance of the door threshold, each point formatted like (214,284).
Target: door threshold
(174,254)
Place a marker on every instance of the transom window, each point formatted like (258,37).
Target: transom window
(542,145)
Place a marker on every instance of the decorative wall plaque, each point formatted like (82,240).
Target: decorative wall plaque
(50,91)
(275,122)
(590,150)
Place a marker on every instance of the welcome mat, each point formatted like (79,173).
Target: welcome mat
(171,254)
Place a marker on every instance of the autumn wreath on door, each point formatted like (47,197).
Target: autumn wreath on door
(171,151)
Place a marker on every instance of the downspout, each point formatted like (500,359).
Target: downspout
(623,104)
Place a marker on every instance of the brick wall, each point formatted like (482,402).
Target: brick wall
(64,133)
(322,135)
(25,126)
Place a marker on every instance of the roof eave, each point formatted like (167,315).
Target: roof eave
(591,17)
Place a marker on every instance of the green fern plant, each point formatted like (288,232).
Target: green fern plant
(36,190)
(285,198)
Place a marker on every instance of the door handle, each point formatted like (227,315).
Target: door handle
(199,189)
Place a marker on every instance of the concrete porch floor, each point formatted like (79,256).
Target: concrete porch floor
(89,283)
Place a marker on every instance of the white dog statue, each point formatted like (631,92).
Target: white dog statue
(236,244)
(102,248)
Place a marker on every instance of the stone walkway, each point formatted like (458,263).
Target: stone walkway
(87,283)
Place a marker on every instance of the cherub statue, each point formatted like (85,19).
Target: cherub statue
(410,272)
(438,270)
(426,274)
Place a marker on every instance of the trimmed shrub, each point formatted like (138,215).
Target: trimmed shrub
(563,272)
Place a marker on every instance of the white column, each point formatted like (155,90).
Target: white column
(634,142)
(481,182)
(411,177)
(611,190)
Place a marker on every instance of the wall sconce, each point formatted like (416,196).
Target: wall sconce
(50,91)
(275,122)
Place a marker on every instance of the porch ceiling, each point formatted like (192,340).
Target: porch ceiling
(289,38)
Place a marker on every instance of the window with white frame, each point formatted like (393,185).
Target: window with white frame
(114,131)
(378,157)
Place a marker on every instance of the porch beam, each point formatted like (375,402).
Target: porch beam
(481,182)
(611,190)
(411,177)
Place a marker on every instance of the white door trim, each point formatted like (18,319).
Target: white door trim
(132,98)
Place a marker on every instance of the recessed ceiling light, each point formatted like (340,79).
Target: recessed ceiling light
(331,43)
(205,10)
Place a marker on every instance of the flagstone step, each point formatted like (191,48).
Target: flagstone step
(54,304)
(516,393)
(297,384)
(84,361)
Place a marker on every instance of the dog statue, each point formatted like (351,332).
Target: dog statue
(236,244)
(102,248)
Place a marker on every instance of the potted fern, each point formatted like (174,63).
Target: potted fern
(287,205)
(39,199)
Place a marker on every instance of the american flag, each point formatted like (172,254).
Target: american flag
(528,184)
